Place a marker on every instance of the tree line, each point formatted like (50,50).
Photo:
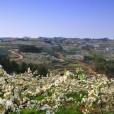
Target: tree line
(30,48)
(11,67)
(102,65)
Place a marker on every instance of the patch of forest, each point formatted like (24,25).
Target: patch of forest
(30,48)
(11,66)
(102,65)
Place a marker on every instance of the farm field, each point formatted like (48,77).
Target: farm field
(57,54)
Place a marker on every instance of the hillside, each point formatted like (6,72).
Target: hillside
(55,94)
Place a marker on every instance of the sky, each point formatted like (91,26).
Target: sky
(57,18)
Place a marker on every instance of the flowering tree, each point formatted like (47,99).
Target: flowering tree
(48,94)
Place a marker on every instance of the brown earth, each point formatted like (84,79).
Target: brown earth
(19,55)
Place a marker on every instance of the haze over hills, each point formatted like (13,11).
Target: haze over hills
(71,18)
(58,37)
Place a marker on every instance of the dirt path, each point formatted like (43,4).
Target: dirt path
(61,56)
(19,55)
(90,70)
(88,67)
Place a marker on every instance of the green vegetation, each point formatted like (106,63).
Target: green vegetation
(1,73)
(58,48)
(30,48)
(69,110)
(12,66)
(3,46)
(1,95)
(101,64)
(77,99)
(65,54)
(33,111)
(74,49)
(76,65)
(77,95)
(40,98)
(87,47)
(66,62)
(65,93)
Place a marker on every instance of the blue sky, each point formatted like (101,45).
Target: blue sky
(67,18)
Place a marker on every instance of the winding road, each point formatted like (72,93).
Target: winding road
(60,56)
(19,55)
